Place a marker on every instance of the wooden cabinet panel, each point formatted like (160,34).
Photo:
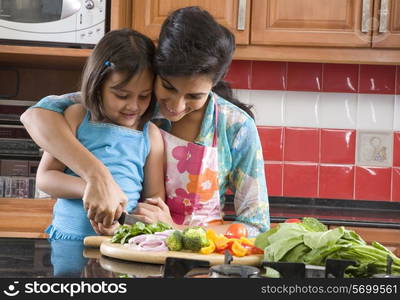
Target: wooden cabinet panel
(309,23)
(386,24)
(149,15)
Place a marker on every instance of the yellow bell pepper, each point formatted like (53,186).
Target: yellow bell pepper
(238,249)
(209,249)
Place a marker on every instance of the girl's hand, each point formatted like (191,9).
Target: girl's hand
(154,210)
(104,200)
(100,229)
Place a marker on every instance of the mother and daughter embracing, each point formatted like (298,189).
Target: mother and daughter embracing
(155,132)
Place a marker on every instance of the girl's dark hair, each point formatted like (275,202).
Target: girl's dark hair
(191,42)
(123,50)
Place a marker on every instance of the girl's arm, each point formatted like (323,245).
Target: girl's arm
(102,196)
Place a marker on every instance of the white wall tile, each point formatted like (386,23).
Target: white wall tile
(396,121)
(375,112)
(268,107)
(242,95)
(337,110)
(301,109)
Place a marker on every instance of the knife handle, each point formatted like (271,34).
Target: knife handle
(121,219)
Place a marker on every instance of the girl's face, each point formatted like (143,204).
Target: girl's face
(179,96)
(124,105)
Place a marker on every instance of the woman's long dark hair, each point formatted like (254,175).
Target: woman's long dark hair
(191,42)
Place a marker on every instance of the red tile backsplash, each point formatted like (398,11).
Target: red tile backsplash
(320,162)
(373,183)
(301,144)
(396,149)
(336,182)
(269,75)
(338,146)
(272,142)
(340,78)
(239,75)
(273,174)
(377,79)
(396,185)
(300,180)
(304,77)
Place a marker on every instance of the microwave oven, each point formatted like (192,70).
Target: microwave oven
(75,23)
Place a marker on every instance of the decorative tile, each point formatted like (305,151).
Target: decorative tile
(340,78)
(373,183)
(374,148)
(396,185)
(337,110)
(272,142)
(269,75)
(268,107)
(336,182)
(377,79)
(304,77)
(239,75)
(273,175)
(300,180)
(301,109)
(375,112)
(301,144)
(338,146)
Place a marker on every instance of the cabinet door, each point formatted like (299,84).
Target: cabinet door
(330,23)
(148,15)
(386,24)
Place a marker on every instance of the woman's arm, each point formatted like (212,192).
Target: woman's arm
(102,196)
(247,179)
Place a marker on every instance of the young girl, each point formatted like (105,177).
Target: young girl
(211,140)
(112,122)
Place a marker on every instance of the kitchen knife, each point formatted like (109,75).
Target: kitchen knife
(126,218)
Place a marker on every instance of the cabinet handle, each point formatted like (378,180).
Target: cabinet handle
(365,21)
(241,21)
(383,16)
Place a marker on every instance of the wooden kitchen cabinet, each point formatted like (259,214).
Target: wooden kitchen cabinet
(339,23)
(149,15)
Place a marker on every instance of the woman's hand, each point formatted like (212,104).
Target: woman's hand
(104,200)
(154,210)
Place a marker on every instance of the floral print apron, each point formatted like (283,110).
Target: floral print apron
(191,180)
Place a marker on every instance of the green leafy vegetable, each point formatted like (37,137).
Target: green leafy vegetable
(125,232)
(310,242)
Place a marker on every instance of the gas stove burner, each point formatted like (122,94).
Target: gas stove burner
(334,268)
(233,271)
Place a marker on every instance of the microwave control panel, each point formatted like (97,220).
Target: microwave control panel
(91,21)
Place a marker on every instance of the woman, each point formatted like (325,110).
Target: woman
(211,139)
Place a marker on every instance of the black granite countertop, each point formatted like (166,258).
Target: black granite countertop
(37,258)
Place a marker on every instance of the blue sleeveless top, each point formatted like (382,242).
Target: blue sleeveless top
(123,151)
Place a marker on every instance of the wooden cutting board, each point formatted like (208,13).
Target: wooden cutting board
(95,241)
(122,252)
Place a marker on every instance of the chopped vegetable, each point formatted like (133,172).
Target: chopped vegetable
(125,232)
(208,249)
(194,238)
(175,241)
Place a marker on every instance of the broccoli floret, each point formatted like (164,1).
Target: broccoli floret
(194,238)
(175,241)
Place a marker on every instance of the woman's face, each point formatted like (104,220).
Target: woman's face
(124,105)
(179,96)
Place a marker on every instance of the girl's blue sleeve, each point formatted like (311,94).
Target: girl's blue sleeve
(58,103)
(247,179)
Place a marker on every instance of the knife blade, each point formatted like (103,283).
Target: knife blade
(126,218)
